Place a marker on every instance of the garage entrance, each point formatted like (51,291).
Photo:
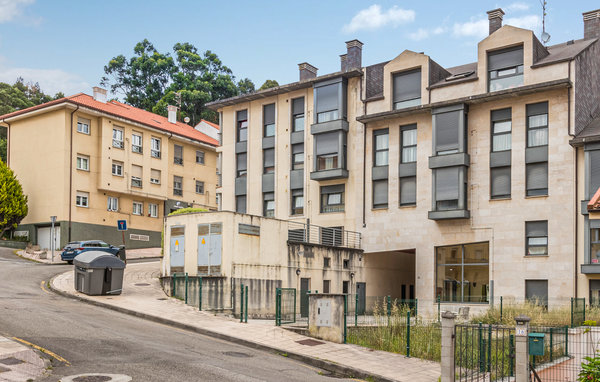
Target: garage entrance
(43,237)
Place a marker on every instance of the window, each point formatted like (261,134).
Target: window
(332,198)
(155,147)
(83,162)
(178,154)
(326,286)
(500,182)
(81,199)
(136,176)
(327,151)
(327,99)
(154,176)
(83,126)
(177,185)
(501,130)
(327,262)
(298,156)
(241,164)
(268,161)
(269,120)
(153,210)
(113,203)
(536,292)
(117,138)
(447,126)
(297,202)
(346,264)
(537,130)
(407,89)
(462,273)
(594,245)
(408,191)
(500,170)
(446,188)
(345,287)
(117,168)
(269,204)
(537,179)
(199,187)
(409,144)
(242,126)
(505,68)
(593,176)
(138,208)
(536,233)
(136,143)
(381,144)
(380,193)
(536,153)
(240,204)
(199,157)
(298,114)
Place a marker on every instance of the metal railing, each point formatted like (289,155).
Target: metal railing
(330,236)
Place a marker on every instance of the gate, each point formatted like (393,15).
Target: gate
(577,312)
(285,306)
(484,352)
(304,291)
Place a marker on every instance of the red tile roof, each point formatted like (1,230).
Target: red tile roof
(131,113)
(212,124)
(594,203)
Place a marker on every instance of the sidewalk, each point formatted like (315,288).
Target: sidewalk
(46,256)
(19,362)
(143,297)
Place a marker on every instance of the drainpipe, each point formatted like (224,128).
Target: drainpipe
(364,105)
(71,173)
(576,183)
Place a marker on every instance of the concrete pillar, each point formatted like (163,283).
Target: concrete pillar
(448,346)
(522,349)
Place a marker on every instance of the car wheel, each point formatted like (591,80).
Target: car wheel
(70,261)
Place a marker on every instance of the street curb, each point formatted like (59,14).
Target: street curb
(317,362)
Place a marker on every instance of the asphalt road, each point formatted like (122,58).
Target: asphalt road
(97,340)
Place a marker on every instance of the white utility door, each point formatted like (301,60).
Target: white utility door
(43,237)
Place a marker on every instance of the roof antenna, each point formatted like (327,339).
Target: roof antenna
(545,35)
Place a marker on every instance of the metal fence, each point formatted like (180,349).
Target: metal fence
(372,310)
(285,306)
(331,236)
(484,352)
(205,294)
(577,312)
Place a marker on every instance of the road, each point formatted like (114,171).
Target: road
(97,340)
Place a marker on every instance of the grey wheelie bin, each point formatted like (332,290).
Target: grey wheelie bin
(98,273)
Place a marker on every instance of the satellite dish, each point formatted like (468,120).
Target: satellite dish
(545,37)
(186,120)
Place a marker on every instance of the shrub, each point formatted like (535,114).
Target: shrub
(188,210)
(590,323)
(591,370)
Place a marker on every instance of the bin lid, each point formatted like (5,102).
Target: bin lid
(98,259)
(537,335)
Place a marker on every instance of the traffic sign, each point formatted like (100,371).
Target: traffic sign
(122,225)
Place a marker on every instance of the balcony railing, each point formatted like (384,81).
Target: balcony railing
(330,236)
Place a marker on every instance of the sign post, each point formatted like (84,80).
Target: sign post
(122,226)
(52,237)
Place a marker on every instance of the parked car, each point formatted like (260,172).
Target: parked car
(74,248)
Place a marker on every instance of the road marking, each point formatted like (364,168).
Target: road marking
(43,287)
(50,353)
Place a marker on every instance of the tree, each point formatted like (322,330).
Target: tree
(13,204)
(246,86)
(269,84)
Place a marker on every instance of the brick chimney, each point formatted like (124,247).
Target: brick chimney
(591,24)
(172,113)
(353,55)
(343,62)
(495,17)
(99,94)
(307,71)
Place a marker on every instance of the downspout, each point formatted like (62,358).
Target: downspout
(71,173)
(364,104)
(576,182)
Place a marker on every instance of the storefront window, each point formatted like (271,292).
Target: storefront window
(462,273)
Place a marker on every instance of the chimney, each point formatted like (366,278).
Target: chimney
(172,116)
(354,55)
(343,62)
(591,24)
(495,17)
(307,71)
(99,94)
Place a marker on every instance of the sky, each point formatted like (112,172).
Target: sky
(64,45)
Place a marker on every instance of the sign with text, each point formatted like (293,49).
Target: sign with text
(122,225)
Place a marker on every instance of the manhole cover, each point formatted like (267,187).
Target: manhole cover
(141,284)
(96,377)
(310,342)
(237,354)
(162,298)
(10,361)
(93,378)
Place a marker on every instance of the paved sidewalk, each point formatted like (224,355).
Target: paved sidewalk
(143,296)
(19,362)
(46,256)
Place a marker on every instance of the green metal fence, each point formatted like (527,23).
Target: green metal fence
(198,292)
(577,311)
(285,306)
(361,312)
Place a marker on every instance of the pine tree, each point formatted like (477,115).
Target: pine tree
(13,204)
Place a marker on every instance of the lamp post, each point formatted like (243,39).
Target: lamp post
(53,220)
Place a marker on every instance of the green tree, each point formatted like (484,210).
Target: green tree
(269,84)
(246,86)
(13,204)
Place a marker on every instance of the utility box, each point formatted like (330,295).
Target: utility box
(98,273)
(326,316)
(536,344)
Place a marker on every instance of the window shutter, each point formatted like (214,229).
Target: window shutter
(505,58)
(537,176)
(594,171)
(380,192)
(298,148)
(269,114)
(446,183)
(408,190)
(327,143)
(136,171)
(327,98)
(241,161)
(501,115)
(298,106)
(446,130)
(537,108)
(155,174)
(178,151)
(407,85)
(536,228)
(269,158)
(242,115)
(500,181)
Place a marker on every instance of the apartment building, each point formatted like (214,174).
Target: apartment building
(90,162)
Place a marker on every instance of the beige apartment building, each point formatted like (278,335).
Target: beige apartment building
(91,162)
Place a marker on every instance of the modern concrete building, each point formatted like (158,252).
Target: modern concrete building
(466,183)
(91,162)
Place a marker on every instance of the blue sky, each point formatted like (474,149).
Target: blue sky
(64,45)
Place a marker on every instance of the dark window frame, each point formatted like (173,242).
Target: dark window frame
(267,198)
(177,185)
(266,124)
(378,206)
(297,165)
(241,125)
(178,159)
(404,146)
(324,200)
(299,193)
(494,74)
(268,169)
(529,236)
(241,171)
(377,133)
(200,158)
(405,179)
(408,102)
(297,116)
(542,127)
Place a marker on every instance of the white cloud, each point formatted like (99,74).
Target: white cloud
(516,7)
(480,28)
(51,81)
(422,33)
(9,9)
(533,22)
(373,18)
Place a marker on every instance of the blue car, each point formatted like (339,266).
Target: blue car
(74,248)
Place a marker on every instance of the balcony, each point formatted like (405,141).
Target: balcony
(329,236)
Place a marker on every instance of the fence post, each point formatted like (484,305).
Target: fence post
(522,349)
(246,307)
(345,313)
(186,288)
(242,304)
(566,340)
(278,307)
(481,347)
(511,358)
(448,346)
(500,308)
(489,349)
(408,334)
(389,306)
(199,293)
(416,307)
(356,311)
(571,311)
(583,310)
(551,345)
(438,303)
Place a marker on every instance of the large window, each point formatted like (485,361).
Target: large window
(327,151)
(462,273)
(298,156)
(155,147)
(332,198)
(447,132)
(381,144)
(298,114)
(153,210)
(242,126)
(446,188)
(241,168)
(268,161)
(136,143)
(117,140)
(500,169)
(327,100)
(138,208)
(537,127)
(505,68)
(297,202)
(501,130)
(407,89)
(199,187)
(536,233)
(269,120)
(178,154)
(269,204)
(537,146)
(409,144)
